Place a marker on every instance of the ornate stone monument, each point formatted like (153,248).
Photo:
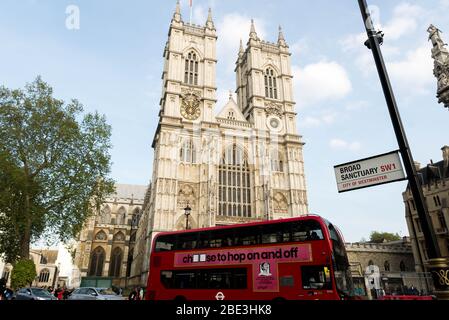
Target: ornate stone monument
(441,69)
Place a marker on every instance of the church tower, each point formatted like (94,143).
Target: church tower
(183,165)
(265,97)
(241,164)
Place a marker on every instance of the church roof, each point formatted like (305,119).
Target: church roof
(49,255)
(231,111)
(128,191)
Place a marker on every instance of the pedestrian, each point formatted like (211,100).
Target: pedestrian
(141,294)
(2,288)
(133,294)
(61,294)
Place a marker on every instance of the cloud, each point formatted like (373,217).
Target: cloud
(230,29)
(405,20)
(339,144)
(326,118)
(320,82)
(413,73)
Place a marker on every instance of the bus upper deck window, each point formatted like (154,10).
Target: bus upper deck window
(165,243)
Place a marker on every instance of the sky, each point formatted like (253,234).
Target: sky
(111,61)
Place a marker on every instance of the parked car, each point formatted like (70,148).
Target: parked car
(90,293)
(34,294)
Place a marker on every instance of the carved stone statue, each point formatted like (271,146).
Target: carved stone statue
(441,66)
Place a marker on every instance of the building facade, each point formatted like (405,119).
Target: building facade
(240,163)
(106,243)
(47,268)
(435,185)
(386,266)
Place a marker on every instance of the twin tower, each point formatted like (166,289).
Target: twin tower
(240,163)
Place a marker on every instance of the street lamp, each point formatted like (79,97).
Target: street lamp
(187,211)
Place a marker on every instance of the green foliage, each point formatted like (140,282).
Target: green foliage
(54,166)
(380,237)
(23,273)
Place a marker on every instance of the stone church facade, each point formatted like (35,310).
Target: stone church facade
(105,247)
(240,163)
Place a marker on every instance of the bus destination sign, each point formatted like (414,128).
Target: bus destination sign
(369,172)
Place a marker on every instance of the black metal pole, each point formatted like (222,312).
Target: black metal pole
(374,37)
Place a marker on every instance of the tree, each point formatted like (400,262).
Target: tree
(380,237)
(54,164)
(23,273)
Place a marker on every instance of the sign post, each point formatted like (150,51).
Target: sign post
(437,266)
(378,170)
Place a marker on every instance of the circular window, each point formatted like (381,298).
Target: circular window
(274,123)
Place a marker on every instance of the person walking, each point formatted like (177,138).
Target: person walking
(133,295)
(2,288)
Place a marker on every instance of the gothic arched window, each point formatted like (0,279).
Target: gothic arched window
(119,236)
(105,215)
(116,261)
(43,259)
(44,275)
(235,184)
(271,90)
(130,262)
(101,235)
(96,262)
(121,216)
(188,152)
(402,266)
(191,69)
(387,266)
(277,162)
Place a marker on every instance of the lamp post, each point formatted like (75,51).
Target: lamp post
(438,266)
(187,211)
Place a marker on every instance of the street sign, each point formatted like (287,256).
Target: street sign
(377,170)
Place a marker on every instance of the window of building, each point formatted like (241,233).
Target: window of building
(105,215)
(441,220)
(119,236)
(44,275)
(234,184)
(101,235)
(96,262)
(6,274)
(43,259)
(438,201)
(188,152)
(116,261)
(387,266)
(121,216)
(191,69)
(277,162)
(402,266)
(129,262)
(231,115)
(271,90)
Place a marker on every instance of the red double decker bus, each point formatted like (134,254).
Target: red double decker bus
(293,259)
